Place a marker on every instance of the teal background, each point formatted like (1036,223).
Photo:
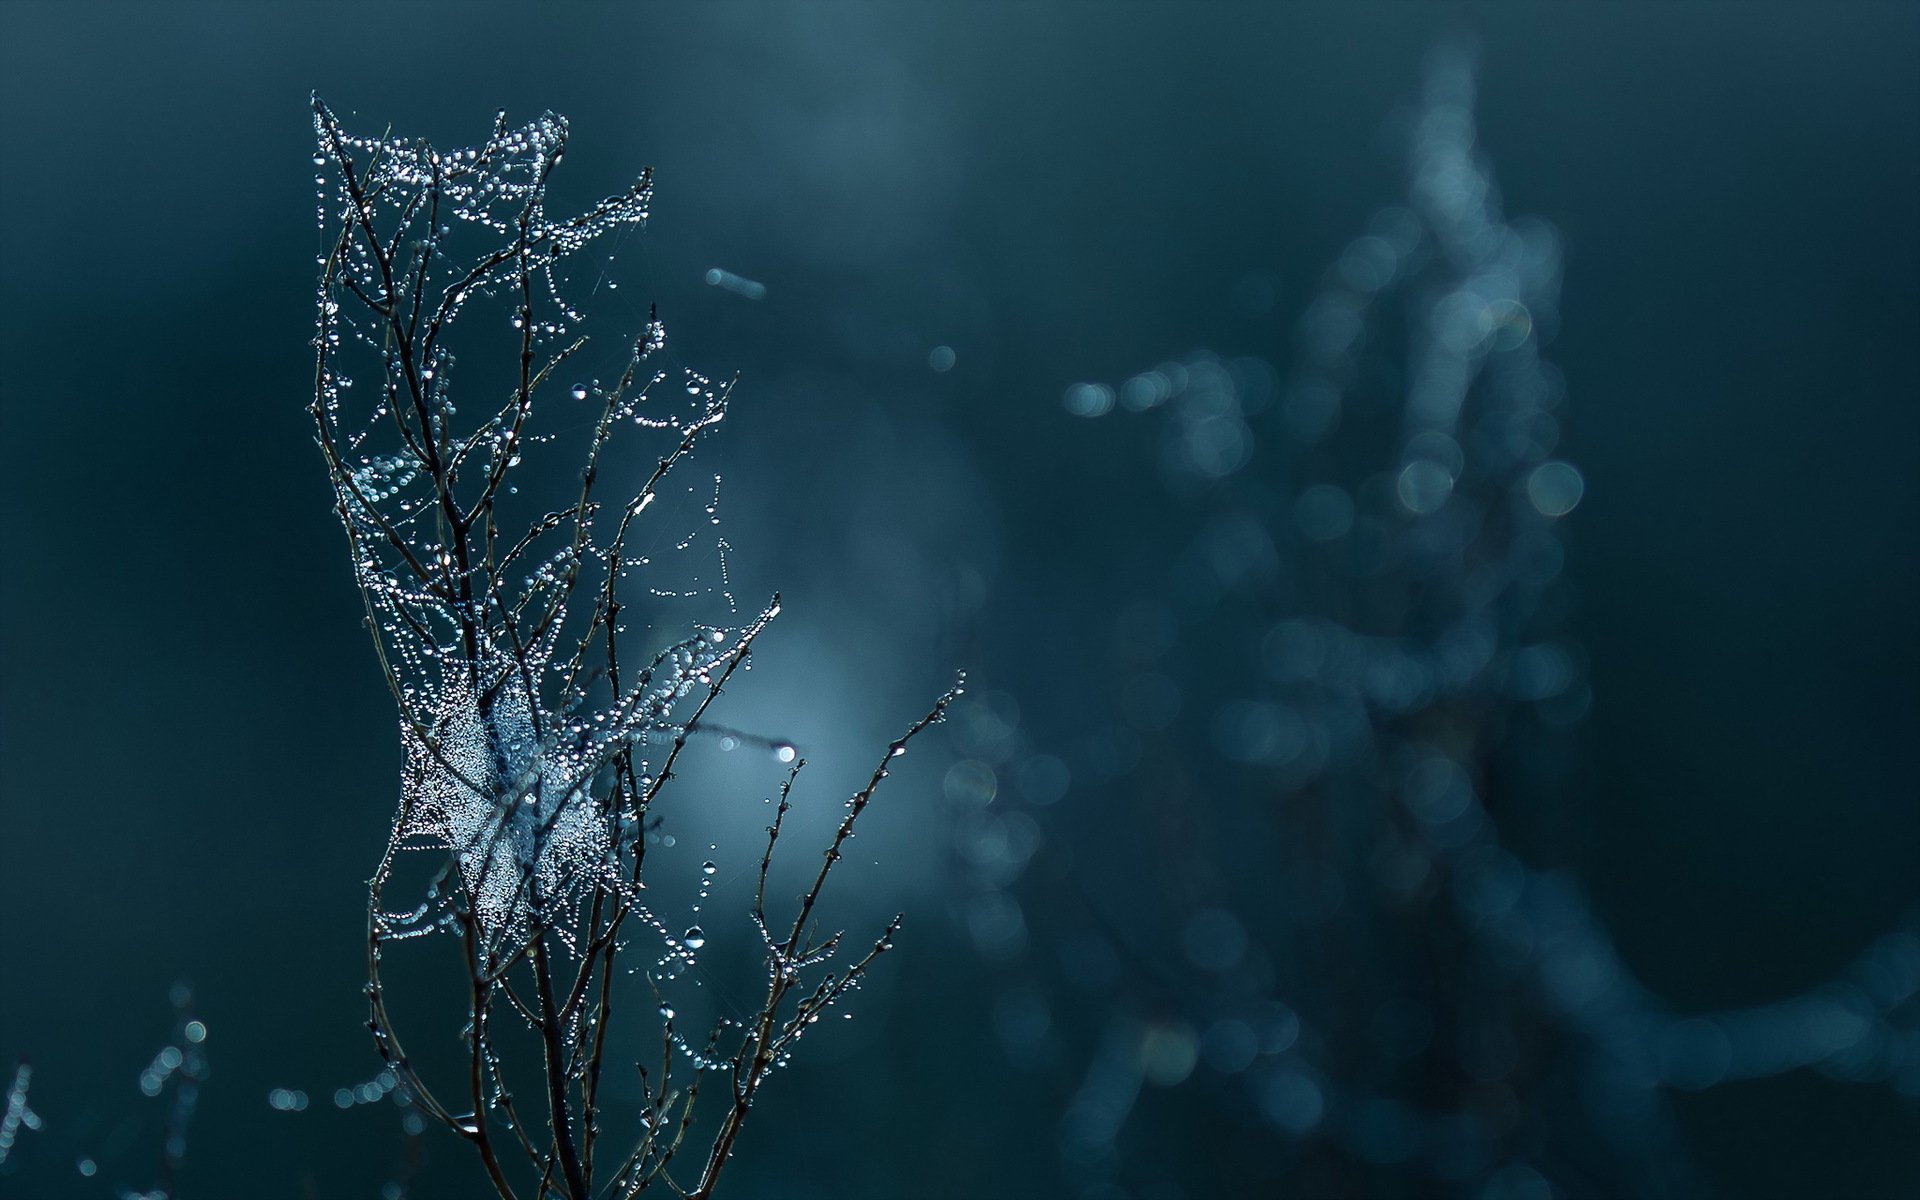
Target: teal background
(197,761)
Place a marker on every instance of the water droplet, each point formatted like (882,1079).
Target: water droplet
(785,752)
(694,938)
(579,391)
(1555,488)
(709,868)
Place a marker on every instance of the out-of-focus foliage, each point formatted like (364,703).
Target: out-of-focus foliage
(1357,938)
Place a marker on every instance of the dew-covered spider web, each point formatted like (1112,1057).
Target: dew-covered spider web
(498,617)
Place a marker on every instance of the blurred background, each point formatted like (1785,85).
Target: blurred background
(1359,793)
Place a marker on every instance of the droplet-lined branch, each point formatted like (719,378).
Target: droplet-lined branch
(526,726)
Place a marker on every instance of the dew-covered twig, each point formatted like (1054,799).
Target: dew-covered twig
(498,624)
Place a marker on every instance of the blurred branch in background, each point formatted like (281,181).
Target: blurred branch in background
(176,1074)
(1358,932)
(18,1115)
(173,1078)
